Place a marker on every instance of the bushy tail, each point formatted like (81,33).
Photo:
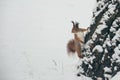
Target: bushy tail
(71,47)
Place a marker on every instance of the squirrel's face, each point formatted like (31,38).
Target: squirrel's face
(75,29)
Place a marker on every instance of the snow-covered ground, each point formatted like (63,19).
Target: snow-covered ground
(33,37)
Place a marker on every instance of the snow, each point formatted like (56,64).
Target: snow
(98,12)
(117,36)
(108,76)
(94,37)
(98,48)
(107,42)
(112,30)
(109,13)
(106,69)
(115,23)
(100,28)
(111,9)
(33,37)
(116,77)
(116,55)
(119,46)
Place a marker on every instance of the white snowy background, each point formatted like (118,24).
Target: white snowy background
(33,38)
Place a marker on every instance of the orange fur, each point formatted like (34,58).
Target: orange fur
(71,46)
(75,45)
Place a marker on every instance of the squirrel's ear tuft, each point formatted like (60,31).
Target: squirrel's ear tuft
(77,24)
(72,22)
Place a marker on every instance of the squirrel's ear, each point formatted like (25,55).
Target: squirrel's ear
(77,24)
(72,22)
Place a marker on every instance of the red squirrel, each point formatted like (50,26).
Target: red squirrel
(76,44)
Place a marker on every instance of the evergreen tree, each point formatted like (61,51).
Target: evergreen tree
(102,42)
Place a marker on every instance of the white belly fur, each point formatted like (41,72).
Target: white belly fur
(80,35)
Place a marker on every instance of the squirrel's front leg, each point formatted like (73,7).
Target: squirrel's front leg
(78,39)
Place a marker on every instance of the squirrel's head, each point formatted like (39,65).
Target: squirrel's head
(75,26)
